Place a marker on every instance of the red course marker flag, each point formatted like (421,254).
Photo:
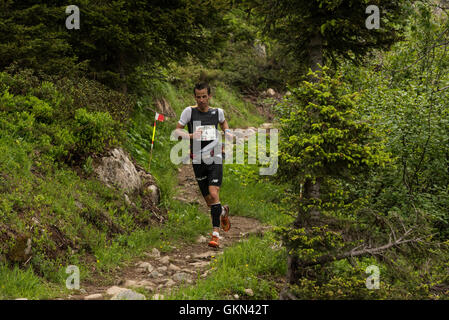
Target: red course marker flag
(159,117)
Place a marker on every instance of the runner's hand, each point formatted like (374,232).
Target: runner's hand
(228,135)
(197,134)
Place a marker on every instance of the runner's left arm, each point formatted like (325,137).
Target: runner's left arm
(225,127)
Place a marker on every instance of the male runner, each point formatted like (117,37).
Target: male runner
(202,122)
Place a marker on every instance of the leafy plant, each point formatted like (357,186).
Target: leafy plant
(93,131)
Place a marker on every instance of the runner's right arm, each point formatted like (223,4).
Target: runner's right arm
(182,134)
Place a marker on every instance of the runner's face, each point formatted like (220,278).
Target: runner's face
(202,98)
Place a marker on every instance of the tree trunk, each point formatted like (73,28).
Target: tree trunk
(292,268)
(311,189)
(315,50)
(303,219)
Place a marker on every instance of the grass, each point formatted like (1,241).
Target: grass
(24,283)
(251,264)
(242,266)
(250,195)
(56,195)
(240,114)
(255,263)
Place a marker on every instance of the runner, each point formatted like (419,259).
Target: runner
(206,153)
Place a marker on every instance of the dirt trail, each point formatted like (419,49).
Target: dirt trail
(159,272)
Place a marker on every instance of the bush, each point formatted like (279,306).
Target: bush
(67,119)
(93,131)
(41,110)
(66,95)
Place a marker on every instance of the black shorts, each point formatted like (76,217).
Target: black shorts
(208,175)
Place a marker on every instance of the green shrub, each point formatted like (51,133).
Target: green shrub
(41,110)
(24,122)
(88,166)
(94,131)
(47,91)
(66,94)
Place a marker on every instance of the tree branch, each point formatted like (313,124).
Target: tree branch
(354,253)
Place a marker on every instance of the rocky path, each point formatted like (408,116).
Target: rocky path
(159,273)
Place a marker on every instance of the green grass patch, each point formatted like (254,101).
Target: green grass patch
(251,264)
(250,195)
(24,283)
(239,114)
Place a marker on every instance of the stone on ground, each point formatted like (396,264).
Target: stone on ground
(165,260)
(128,294)
(200,264)
(130,283)
(170,283)
(181,276)
(115,290)
(118,170)
(155,275)
(249,292)
(162,269)
(154,253)
(95,296)
(201,239)
(172,267)
(207,254)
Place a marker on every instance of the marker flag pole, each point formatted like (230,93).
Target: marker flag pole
(157,117)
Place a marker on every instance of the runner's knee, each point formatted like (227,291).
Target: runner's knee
(209,200)
(214,196)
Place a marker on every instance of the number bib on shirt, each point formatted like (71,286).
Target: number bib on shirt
(208,132)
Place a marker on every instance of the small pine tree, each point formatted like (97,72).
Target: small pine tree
(322,140)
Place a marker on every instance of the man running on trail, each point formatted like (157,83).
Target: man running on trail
(202,122)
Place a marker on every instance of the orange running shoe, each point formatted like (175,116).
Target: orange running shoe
(214,242)
(225,223)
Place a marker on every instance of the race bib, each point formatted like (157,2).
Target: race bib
(208,132)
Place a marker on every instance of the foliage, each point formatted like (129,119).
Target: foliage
(65,121)
(33,35)
(93,131)
(403,100)
(248,61)
(408,101)
(67,94)
(23,283)
(340,26)
(323,135)
(113,39)
(374,135)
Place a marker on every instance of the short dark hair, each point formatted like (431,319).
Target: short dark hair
(201,86)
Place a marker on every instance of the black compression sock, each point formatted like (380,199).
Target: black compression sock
(215,211)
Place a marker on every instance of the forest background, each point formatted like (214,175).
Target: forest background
(362,113)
